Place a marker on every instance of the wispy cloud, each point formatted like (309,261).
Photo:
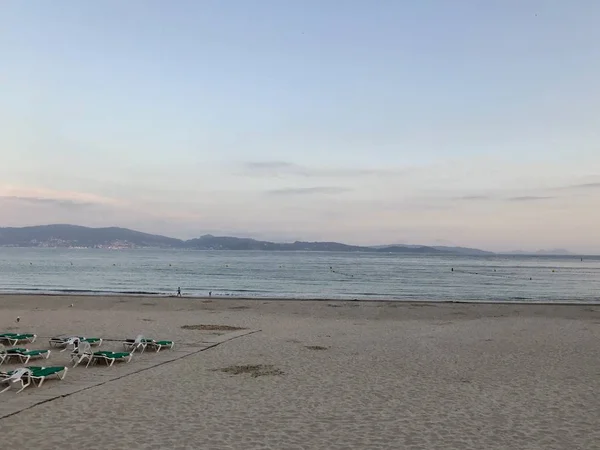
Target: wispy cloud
(529,198)
(62,203)
(315,190)
(37,195)
(583,186)
(269,165)
(283,168)
(473,197)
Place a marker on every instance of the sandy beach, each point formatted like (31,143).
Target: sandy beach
(311,375)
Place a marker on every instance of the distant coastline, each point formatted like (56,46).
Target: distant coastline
(75,236)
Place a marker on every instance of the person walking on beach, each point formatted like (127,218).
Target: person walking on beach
(178,292)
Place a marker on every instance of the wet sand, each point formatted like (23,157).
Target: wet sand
(314,375)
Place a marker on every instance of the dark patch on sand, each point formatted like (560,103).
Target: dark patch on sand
(148,304)
(212,327)
(256,370)
(239,307)
(316,347)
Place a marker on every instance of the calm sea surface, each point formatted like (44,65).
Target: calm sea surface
(301,275)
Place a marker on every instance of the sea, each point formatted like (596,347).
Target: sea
(301,275)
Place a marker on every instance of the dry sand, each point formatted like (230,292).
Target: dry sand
(319,375)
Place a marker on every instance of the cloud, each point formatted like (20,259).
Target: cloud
(62,203)
(474,197)
(583,186)
(39,196)
(310,190)
(262,165)
(529,198)
(283,168)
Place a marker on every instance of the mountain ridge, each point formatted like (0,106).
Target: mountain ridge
(77,236)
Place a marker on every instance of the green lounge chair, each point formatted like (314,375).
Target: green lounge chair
(40,374)
(158,345)
(25,355)
(15,338)
(83,352)
(36,374)
(64,341)
(110,357)
(142,343)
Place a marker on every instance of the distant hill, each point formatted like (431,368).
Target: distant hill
(439,248)
(553,252)
(73,236)
(77,236)
(210,242)
(463,250)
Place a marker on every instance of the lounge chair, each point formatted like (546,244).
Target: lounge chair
(25,355)
(3,354)
(20,376)
(110,357)
(40,374)
(37,374)
(65,341)
(158,345)
(15,338)
(142,343)
(139,343)
(81,353)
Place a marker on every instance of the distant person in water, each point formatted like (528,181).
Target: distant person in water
(178,292)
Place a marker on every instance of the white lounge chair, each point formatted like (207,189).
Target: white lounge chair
(20,376)
(81,352)
(139,343)
(3,354)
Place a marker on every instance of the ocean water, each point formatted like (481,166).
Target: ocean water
(316,275)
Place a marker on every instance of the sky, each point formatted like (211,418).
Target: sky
(368,122)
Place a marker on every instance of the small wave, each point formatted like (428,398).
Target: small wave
(81,291)
(242,290)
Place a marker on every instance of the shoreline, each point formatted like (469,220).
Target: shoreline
(297,299)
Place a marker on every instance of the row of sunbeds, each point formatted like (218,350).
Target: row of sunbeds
(81,352)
